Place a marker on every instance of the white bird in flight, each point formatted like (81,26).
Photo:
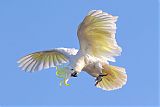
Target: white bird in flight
(98,46)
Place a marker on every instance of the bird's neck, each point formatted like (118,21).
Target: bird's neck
(78,62)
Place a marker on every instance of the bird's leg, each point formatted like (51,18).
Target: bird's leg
(99,78)
(99,68)
(74,74)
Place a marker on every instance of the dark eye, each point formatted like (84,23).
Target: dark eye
(72,69)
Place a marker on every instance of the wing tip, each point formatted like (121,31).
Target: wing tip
(98,11)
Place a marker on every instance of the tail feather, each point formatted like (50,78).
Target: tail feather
(115,78)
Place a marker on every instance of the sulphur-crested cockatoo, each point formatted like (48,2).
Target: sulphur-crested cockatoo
(98,46)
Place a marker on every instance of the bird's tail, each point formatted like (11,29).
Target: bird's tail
(115,77)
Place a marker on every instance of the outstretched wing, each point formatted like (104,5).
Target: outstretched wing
(97,35)
(46,59)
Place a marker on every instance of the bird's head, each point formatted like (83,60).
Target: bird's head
(75,68)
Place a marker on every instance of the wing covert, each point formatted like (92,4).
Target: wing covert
(97,35)
(46,59)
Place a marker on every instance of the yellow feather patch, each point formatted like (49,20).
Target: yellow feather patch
(64,73)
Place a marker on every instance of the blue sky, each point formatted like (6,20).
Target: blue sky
(32,25)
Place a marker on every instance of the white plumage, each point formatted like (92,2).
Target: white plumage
(98,46)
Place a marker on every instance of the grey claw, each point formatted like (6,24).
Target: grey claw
(99,78)
(103,75)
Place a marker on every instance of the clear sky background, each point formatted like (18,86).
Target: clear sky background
(31,25)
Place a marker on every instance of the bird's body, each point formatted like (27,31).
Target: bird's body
(80,60)
(98,46)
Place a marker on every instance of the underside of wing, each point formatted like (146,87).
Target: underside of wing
(97,35)
(46,59)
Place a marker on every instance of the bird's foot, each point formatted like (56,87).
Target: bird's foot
(74,74)
(102,75)
(99,78)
